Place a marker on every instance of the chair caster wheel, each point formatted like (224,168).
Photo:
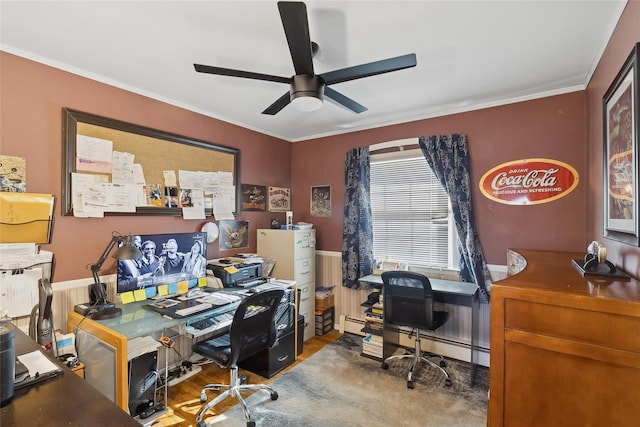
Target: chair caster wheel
(251,424)
(242,379)
(410,384)
(443,364)
(203,397)
(202,424)
(274,395)
(447,382)
(385,365)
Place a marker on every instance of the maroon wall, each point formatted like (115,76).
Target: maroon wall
(33,96)
(564,127)
(625,36)
(552,127)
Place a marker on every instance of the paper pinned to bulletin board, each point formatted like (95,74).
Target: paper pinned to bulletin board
(25,217)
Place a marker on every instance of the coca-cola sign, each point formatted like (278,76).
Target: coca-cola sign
(529,181)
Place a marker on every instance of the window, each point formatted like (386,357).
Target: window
(412,220)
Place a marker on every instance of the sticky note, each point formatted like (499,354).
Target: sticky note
(202,282)
(139,295)
(150,291)
(127,297)
(173,288)
(163,290)
(183,287)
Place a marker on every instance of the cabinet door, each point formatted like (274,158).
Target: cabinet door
(550,388)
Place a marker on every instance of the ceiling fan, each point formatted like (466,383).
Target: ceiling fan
(307,89)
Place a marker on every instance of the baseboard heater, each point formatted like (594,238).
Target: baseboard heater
(445,346)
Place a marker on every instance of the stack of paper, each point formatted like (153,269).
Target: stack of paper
(372,345)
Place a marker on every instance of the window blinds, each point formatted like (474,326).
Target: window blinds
(410,212)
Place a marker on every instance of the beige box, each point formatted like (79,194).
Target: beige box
(324,303)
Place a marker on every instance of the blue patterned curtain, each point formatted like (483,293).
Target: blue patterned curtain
(448,157)
(357,234)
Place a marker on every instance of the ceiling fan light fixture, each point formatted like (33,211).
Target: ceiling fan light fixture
(307,102)
(306,92)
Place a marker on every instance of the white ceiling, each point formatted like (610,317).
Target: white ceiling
(470,54)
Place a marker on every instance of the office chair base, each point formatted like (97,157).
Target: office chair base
(418,356)
(237,386)
(441,365)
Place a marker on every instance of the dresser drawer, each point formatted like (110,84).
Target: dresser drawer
(610,330)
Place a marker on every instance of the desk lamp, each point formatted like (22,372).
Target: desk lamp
(102,309)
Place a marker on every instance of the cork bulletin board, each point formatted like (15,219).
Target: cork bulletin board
(155,150)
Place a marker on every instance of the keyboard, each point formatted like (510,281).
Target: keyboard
(219,323)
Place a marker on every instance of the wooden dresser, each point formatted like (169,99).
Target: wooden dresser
(565,349)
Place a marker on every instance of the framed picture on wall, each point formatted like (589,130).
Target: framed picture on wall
(279,199)
(233,235)
(254,197)
(620,131)
(321,200)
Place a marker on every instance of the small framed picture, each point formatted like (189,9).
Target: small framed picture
(233,235)
(254,197)
(279,199)
(321,200)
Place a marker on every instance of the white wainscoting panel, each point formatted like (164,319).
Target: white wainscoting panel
(350,314)
(328,273)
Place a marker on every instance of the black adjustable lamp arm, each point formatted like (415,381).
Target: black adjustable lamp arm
(95,268)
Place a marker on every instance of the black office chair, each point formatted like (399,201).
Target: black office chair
(252,330)
(408,301)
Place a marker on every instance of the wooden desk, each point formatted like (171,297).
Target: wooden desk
(565,349)
(447,291)
(64,400)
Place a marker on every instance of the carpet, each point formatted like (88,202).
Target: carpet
(337,387)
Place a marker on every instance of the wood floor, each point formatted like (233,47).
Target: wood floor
(184,397)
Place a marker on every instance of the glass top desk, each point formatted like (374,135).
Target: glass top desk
(110,338)
(136,322)
(450,292)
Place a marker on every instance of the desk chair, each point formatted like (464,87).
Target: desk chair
(408,301)
(252,330)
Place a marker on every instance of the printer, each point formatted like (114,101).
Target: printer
(234,274)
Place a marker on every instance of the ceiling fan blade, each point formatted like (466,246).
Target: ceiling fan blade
(344,101)
(296,28)
(369,69)
(280,103)
(239,73)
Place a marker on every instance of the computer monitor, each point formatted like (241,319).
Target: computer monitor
(167,259)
